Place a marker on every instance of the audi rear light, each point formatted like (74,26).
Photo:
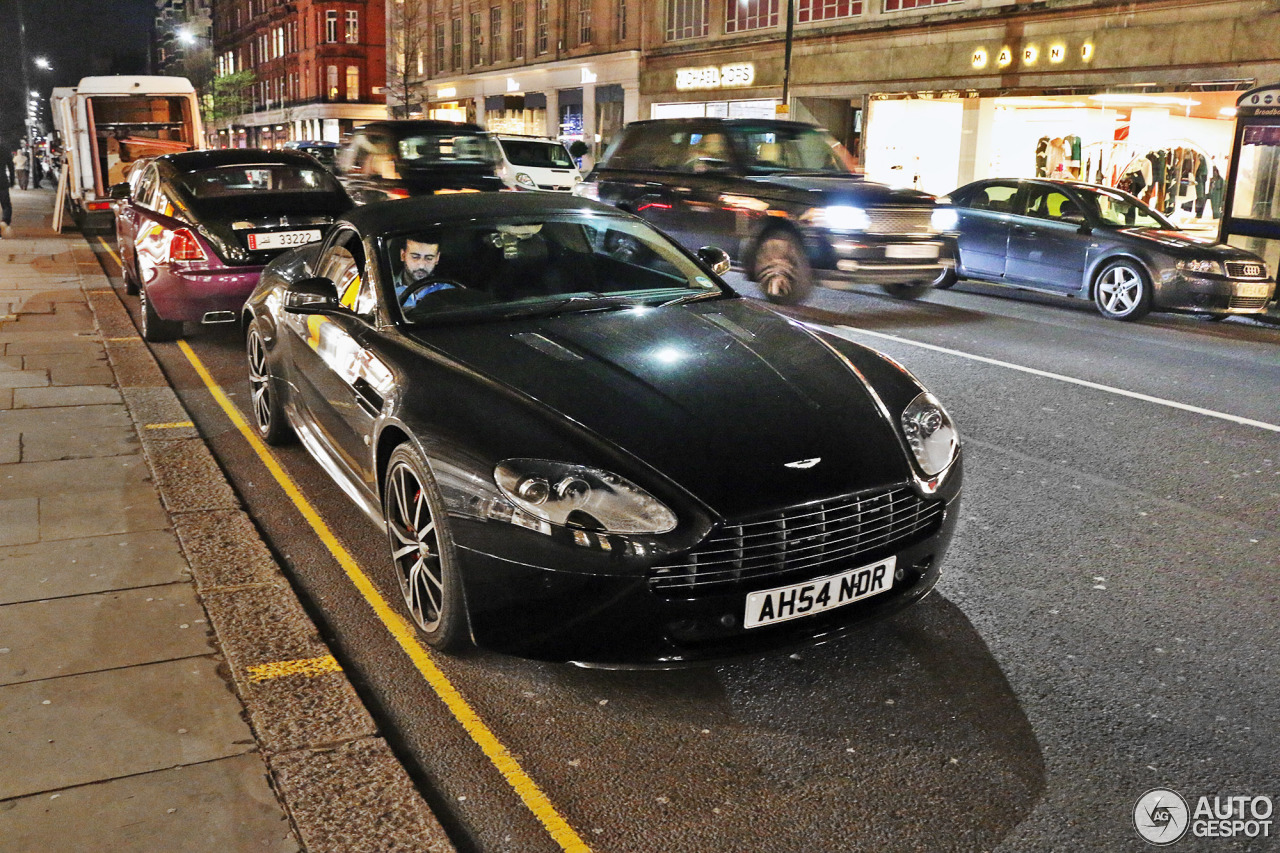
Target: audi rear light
(184,246)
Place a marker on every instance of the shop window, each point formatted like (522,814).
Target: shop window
(353,82)
(495,34)
(825,10)
(686,19)
(353,27)
(517,29)
(902,5)
(540,27)
(477,39)
(742,15)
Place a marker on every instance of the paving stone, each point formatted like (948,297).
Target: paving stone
(134,367)
(123,510)
(93,395)
(71,433)
(91,633)
(94,564)
(223,806)
(106,725)
(95,375)
(23,378)
(106,474)
(21,521)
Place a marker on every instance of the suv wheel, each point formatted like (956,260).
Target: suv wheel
(782,270)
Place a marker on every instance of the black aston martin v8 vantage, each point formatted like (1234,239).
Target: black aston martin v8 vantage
(583,446)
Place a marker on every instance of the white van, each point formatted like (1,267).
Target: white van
(536,163)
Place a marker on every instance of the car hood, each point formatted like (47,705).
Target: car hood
(740,407)
(831,187)
(1200,245)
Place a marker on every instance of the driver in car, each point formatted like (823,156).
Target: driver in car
(414,281)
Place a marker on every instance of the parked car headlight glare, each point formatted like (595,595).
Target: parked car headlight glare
(944,219)
(524,180)
(1201,265)
(587,189)
(579,496)
(839,217)
(930,433)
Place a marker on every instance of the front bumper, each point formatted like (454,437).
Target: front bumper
(620,621)
(190,294)
(1184,291)
(875,259)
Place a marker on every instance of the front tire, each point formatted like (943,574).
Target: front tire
(1122,291)
(265,398)
(154,328)
(422,551)
(946,279)
(782,270)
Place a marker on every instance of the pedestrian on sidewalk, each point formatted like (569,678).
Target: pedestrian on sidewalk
(37,170)
(6,206)
(20,163)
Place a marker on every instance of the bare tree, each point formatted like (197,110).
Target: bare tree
(406,52)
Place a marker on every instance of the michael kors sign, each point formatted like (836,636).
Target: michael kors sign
(731,76)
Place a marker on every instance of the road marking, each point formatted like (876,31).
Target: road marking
(112,253)
(1159,401)
(404,633)
(310,667)
(131,340)
(174,425)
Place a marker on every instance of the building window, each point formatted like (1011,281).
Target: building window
(517,29)
(353,82)
(477,39)
(825,10)
(439,48)
(686,19)
(455,31)
(584,21)
(540,27)
(742,15)
(900,5)
(495,34)
(331,26)
(332,83)
(353,27)
(622,20)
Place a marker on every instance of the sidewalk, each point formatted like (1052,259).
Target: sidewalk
(161,688)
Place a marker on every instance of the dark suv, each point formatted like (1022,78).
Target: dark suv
(397,159)
(781,199)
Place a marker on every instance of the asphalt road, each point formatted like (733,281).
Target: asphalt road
(1106,622)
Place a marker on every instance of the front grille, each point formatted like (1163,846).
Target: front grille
(1246,269)
(811,540)
(900,220)
(1248,303)
(553,188)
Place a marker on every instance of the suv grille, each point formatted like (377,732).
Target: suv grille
(1248,303)
(900,220)
(811,540)
(1246,269)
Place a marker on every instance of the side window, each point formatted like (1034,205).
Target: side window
(147,188)
(654,146)
(705,152)
(997,197)
(1049,203)
(344,265)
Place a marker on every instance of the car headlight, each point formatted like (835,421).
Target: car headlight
(575,495)
(587,189)
(838,217)
(930,433)
(524,180)
(1200,265)
(944,219)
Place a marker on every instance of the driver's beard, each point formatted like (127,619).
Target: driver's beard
(418,275)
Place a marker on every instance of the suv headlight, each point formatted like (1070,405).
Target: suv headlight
(575,495)
(930,434)
(837,217)
(944,219)
(1200,265)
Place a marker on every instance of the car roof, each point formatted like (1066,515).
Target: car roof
(727,122)
(395,216)
(403,127)
(194,161)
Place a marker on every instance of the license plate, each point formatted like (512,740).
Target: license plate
(911,250)
(815,596)
(282,239)
(1260,288)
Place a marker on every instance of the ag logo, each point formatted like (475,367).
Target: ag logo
(1161,816)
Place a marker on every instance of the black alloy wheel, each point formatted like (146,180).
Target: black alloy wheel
(1122,291)
(782,270)
(422,551)
(265,396)
(154,328)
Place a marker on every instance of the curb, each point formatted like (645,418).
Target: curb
(337,779)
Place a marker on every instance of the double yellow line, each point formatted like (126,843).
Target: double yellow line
(404,633)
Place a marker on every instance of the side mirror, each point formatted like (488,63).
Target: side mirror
(119,192)
(312,296)
(717,259)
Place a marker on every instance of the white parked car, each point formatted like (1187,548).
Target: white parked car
(536,163)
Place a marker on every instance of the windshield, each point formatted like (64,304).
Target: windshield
(254,178)
(537,266)
(1122,209)
(769,150)
(446,149)
(534,154)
